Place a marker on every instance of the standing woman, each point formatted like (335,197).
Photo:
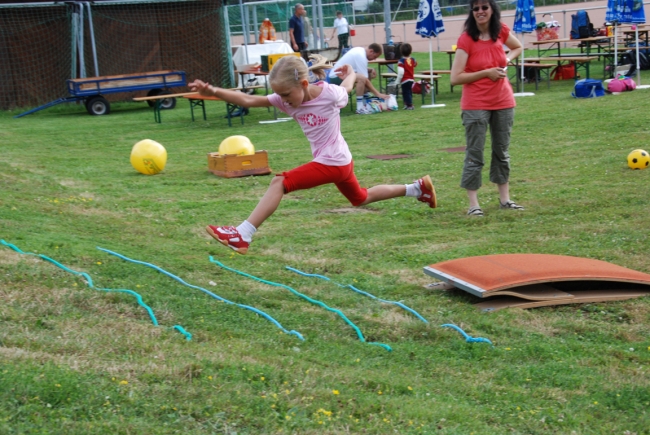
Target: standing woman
(487,99)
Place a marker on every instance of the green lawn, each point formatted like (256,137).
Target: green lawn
(78,360)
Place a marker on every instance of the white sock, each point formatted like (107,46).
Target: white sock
(413,190)
(246,231)
(360,101)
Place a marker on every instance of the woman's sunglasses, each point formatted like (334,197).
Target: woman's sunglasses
(483,8)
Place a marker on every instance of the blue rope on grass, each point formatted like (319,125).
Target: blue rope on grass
(468,338)
(219,298)
(313,301)
(353,288)
(89,282)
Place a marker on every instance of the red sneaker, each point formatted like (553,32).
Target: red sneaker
(428,192)
(230,237)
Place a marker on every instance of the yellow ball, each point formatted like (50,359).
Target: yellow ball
(239,145)
(148,157)
(638,159)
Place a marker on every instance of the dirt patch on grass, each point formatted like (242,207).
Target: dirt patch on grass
(347,210)
(11,257)
(391,315)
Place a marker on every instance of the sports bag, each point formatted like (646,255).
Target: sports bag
(588,88)
(421,87)
(564,72)
(621,84)
(581,26)
(629,58)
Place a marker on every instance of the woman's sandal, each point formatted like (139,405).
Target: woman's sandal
(510,205)
(475,211)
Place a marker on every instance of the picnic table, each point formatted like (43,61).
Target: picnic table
(537,66)
(387,63)
(578,61)
(426,77)
(544,47)
(264,74)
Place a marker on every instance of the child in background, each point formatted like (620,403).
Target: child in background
(316,108)
(405,70)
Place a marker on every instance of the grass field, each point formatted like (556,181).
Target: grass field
(79,360)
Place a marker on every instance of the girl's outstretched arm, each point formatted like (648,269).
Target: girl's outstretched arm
(234,97)
(347,74)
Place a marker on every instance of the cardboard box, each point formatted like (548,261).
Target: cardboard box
(233,165)
(268,60)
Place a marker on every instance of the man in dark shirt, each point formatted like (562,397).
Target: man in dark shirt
(296,31)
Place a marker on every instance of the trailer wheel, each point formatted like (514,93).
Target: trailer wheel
(153,93)
(166,104)
(98,106)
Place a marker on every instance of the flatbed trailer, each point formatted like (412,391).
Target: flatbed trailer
(91,90)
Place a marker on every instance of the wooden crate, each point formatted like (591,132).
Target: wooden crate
(232,165)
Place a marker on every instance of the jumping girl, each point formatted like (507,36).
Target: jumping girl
(316,108)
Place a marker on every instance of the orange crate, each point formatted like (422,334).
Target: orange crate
(232,165)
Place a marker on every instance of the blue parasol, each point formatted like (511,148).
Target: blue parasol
(525,22)
(429,19)
(430,24)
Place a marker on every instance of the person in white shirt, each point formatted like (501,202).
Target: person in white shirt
(358,58)
(342,29)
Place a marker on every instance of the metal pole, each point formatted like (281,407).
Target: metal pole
(314,27)
(433,83)
(246,26)
(320,21)
(241,12)
(636,42)
(256,26)
(80,35)
(92,39)
(73,66)
(387,20)
(231,68)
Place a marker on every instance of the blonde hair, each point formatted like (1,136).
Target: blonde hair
(292,70)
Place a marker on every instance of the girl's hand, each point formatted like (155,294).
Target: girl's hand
(497,73)
(343,71)
(202,88)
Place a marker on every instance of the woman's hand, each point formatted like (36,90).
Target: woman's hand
(497,73)
(202,88)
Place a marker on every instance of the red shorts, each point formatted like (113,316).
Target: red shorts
(315,174)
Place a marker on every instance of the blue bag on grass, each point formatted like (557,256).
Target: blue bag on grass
(588,88)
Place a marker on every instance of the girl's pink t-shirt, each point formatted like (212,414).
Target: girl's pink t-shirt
(484,94)
(320,120)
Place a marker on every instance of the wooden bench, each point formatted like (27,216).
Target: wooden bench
(158,101)
(195,100)
(425,77)
(538,67)
(198,100)
(439,72)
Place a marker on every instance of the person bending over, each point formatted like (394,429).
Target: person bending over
(358,58)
